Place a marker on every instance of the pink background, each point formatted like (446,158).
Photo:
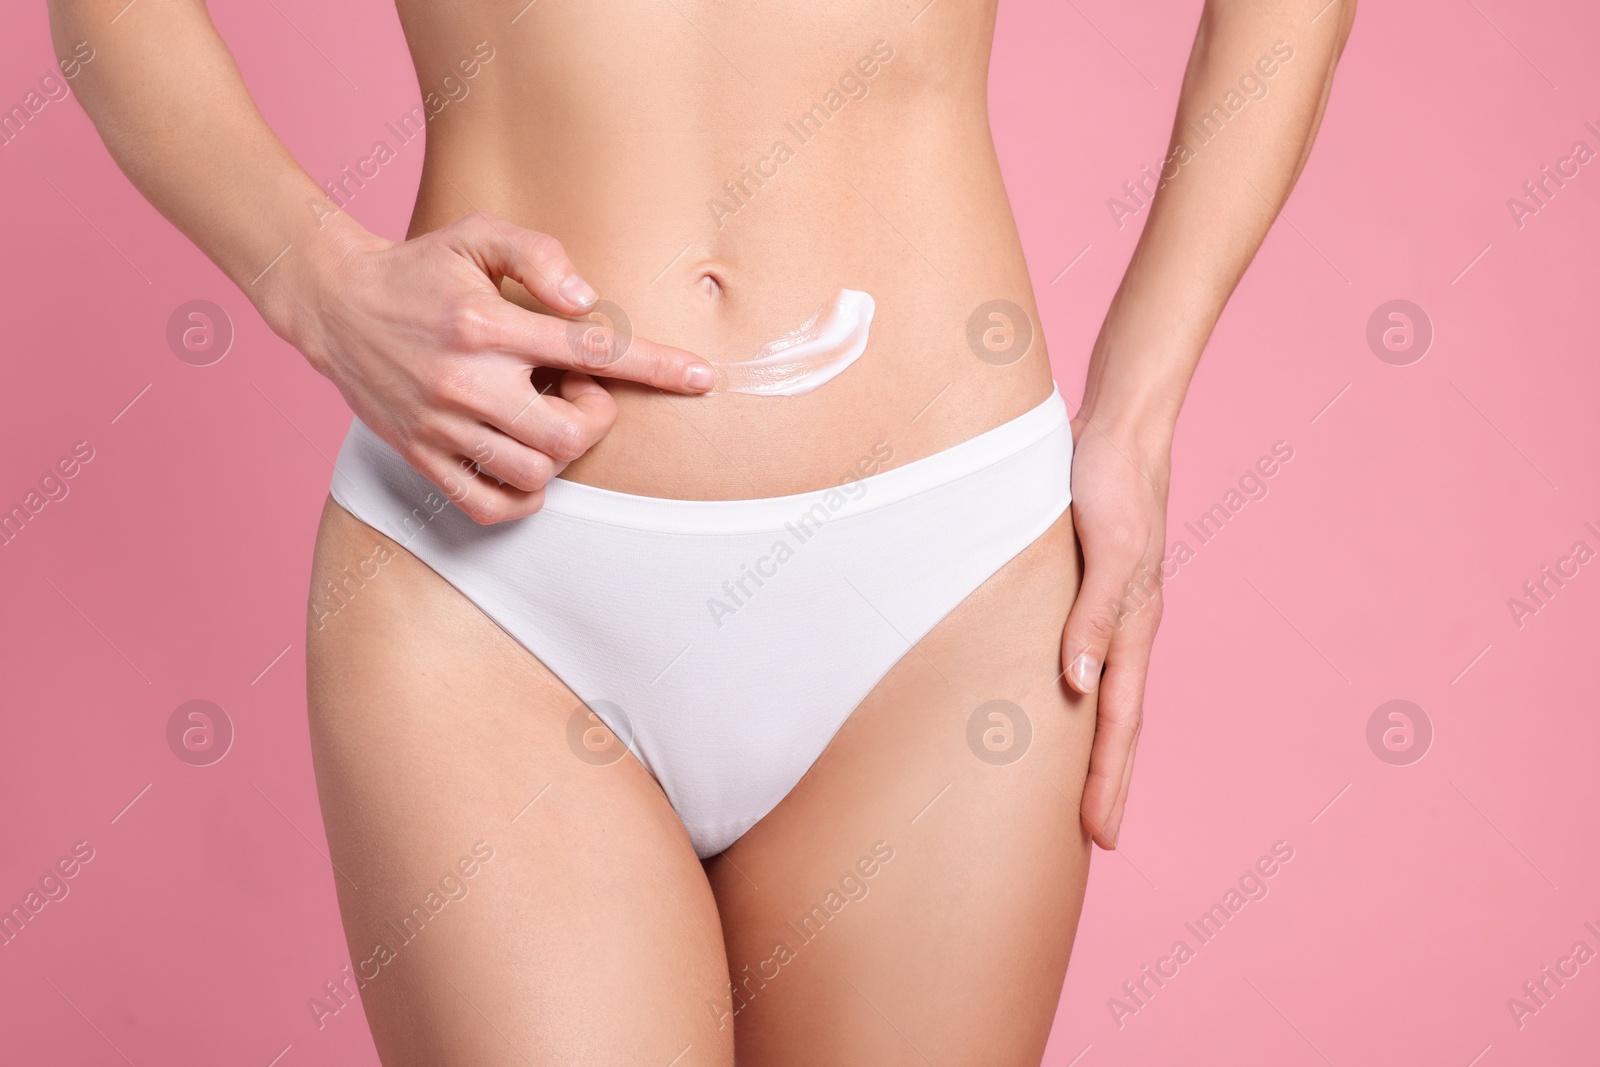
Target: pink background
(1378,567)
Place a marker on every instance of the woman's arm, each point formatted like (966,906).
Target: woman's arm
(169,102)
(1222,186)
(416,335)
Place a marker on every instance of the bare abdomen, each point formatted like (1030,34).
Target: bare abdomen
(718,173)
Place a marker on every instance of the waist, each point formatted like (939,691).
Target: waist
(720,242)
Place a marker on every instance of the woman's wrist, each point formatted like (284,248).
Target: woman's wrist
(1145,355)
(291,293)
(1144,434)
(1134,401)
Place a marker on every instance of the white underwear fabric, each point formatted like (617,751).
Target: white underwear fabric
(726,641)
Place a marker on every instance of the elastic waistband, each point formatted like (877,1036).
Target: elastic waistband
(668,515)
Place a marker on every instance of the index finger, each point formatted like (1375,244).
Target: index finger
(604,349)
(602,344)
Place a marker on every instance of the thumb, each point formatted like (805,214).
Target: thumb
(1091,624)
(588,396)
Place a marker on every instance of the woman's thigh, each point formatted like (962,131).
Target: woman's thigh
(514,891)
(914,899)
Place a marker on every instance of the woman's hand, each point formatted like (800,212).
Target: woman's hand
(1213,203)
(1119,506)
(432,357)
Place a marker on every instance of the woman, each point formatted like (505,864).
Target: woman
(737,695)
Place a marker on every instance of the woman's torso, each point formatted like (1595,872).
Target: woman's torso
(646,134)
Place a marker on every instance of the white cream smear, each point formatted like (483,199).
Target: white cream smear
(807,356)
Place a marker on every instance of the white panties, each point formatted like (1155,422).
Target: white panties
(726,641)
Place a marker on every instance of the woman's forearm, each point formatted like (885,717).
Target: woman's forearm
(415,334)
(168,99)
(1246,119)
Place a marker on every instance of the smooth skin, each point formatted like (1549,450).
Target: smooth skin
(593,934)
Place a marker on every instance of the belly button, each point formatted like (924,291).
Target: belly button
(710,285)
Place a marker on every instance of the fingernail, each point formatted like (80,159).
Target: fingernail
(1085,672)
(699,376)
(1112,827)
(579,291)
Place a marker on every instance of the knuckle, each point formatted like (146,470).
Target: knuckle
(453,488)
(487,509)
(467,230)
(447,382)
(536,472)
(1139,602)
(657,368)
(566,440)
(1102,623)
(543,249)
(1124,539)
(470,326)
